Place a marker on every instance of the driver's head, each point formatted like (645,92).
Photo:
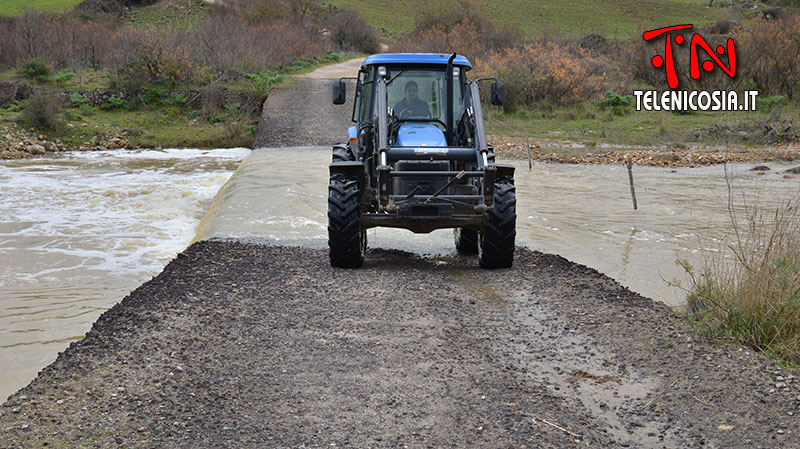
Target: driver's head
(411,90)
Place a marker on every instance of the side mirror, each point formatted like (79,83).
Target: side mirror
(498,93)
(340,92)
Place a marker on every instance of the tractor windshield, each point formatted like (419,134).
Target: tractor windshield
(420,94)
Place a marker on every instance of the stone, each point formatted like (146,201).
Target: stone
(36,149)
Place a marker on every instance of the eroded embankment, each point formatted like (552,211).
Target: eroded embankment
(248,345)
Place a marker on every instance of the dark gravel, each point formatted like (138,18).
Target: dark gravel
(239,344)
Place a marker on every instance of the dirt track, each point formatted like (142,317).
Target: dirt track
(240,344)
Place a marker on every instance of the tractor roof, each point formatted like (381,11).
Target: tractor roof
(415,58)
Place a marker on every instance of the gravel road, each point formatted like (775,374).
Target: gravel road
(245,344)
(303,114)
(239,344)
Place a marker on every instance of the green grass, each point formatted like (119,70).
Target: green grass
(159,127)
(168,12)
(536,18)
(17,7)
(586,123)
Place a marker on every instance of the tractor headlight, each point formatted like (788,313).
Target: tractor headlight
(382,71)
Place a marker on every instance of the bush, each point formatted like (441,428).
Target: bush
(77,99)
(349,32)
(750,291)
(63,76)
(770,53)
(546,74)
(117,103)
(36,69)
(42,110)
(263,82)
(448,14)
(618,105)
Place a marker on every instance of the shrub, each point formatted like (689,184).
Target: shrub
(42,110)
(770,52)
(153,95)
(448,14)
(263,82)
(178,99)
(36,69)
(77,99)
(618,105)
(63,76)
(349,32)
(769,102)
(546,74)
(116,103)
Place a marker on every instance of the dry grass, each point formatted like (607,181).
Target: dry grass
(750,291)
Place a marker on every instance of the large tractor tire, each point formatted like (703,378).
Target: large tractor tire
(346,241)
(466,240)
(496,246)
(342,153)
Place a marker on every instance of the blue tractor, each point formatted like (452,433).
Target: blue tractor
(417,158)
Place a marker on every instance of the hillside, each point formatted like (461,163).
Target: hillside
(17,7)
(537,17)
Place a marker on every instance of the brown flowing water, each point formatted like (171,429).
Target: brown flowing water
(79,232)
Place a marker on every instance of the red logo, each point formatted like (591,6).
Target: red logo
(697,41)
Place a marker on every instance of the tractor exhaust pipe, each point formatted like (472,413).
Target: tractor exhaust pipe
(448,79)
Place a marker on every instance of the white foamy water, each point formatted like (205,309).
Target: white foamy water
(81,230)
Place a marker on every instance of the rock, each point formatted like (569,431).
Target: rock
(760,173)
(36,149)
(760,168)
(794,171)
(788,176)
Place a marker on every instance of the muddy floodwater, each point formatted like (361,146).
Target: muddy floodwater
(78,232)
(582,212)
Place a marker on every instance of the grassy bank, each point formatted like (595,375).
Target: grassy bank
(17,7)
(749,291)
(589,124)
(222,113)
(536,19)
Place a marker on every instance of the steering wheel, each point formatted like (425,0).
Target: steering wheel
(414,112)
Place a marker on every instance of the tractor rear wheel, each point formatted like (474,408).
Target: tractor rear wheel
(466,240)
(346,240)
(496,246)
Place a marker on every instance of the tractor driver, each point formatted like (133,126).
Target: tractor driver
(411,105)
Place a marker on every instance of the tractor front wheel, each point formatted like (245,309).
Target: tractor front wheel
(346,240)
(496,246)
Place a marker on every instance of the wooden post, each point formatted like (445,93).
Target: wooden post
(630,179)
(528,144)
